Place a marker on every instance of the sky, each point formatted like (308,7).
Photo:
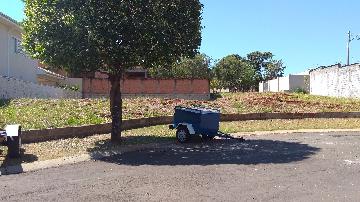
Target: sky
(304,34)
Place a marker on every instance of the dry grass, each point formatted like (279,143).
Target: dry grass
(39,114)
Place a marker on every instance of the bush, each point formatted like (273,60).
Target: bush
(301,91)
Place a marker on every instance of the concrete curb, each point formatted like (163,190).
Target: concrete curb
(39,165)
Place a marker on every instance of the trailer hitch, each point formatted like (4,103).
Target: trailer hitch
(228,136)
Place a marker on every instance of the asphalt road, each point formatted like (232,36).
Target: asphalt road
(292,167)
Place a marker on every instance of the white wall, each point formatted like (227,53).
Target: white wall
(262,87)
(284,84)
(14,88)
(3,50)
(12,63)
(299,81)
(273,85)
(336,81)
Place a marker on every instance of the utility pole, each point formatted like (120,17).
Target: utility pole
(348,46)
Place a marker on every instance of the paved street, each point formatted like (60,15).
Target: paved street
(291,167)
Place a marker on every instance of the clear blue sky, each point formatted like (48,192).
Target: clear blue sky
(304,34)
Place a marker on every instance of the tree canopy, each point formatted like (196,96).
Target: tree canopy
(265,66)
(111,36)
(237,73)
(197,67)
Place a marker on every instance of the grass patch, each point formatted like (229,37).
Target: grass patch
(273,125)
(42,113)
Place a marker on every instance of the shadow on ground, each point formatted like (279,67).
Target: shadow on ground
(4,103)
(14,164)
(219,151)
(107,145)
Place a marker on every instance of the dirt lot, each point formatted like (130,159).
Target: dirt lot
(286,167)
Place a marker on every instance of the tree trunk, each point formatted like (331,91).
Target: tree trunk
(115,107)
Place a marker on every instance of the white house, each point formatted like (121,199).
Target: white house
(13,61)
(21,76)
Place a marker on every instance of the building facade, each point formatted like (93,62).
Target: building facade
(13,60)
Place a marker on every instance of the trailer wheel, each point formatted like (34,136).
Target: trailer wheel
(182,134)
(14,146)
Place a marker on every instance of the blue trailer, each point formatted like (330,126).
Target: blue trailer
(190,121)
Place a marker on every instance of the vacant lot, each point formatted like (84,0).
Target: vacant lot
(38,114)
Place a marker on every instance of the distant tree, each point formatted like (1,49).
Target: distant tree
(235,73)
(215,84)
(111,36)
(259,60)
(197,67)
(274,69)
(265,66)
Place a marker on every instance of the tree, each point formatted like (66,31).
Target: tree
(235,73)
(259,60)
(111,36)
(197,67)
(273,69)
(265,66)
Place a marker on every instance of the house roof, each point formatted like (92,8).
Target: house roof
(9,21)
(9,18)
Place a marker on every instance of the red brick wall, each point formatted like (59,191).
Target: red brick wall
(183,86)
(151,86)
(148,86)
(166,86)
(201,86)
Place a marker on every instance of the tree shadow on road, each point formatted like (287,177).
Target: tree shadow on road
(219,151)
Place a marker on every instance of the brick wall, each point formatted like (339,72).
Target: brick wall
(336,80)
(182,88)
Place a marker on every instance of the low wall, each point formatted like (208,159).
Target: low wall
(198,89)
(13,88)
(286,84)
(336,80)
(84,131)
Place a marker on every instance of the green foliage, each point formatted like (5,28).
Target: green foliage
(266,67)
(186,68)
(300,91)
(215,84)
(111,35)
(235,73)
(69,87)
(243,74)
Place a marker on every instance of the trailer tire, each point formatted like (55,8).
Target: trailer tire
(14,146)
(182,134)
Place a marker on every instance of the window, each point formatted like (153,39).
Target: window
(18,47)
